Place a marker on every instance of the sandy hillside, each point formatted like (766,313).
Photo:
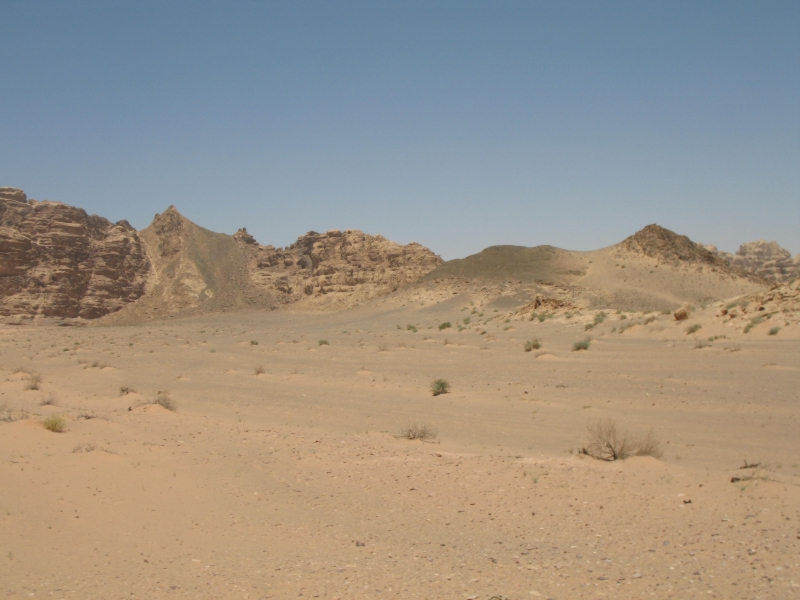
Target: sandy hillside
(279,474)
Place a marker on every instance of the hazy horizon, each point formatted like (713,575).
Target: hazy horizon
(456,125)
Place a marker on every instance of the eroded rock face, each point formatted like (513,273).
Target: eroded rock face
(58,261)
(338,267)
(767,259)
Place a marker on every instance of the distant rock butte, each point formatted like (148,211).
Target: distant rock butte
(767,259)
(56,260)
(337,267)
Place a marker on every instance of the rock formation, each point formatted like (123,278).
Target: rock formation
(767,259)
(58,261)
(337,268)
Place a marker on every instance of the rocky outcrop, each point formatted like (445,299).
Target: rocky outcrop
(58,261)
(337,268)
(767,259)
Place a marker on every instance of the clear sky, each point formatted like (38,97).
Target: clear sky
(458,125)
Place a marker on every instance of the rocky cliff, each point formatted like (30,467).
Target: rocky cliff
(337,268)
(58,261)
(767,259)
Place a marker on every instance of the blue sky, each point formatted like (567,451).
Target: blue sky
(458,125)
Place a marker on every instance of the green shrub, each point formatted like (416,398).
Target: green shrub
(693,328)
(411,328)
(254,342)
(466,321)
(582,345)
(774,330)
(445,325)
(532,345)
(600,317)
(323,343)
(55,423)
(753,323)
(440,386)
(588,326)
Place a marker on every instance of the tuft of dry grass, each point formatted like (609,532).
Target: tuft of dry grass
(163,399)
(259,370)
(55,423)
(608,442)
(533,344)
(418,431)
(124,390)
(582,345)
(34,379)
(49,401)
(383,347)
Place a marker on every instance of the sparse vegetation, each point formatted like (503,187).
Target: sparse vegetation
(383,347)
(34,379)
(466,321)
(649,320)
(254,342)
(124,390)
(55,423)
(440,386)
(418,431)
(693,328)
(259,370)
(533,344)
(411,328)
(49,401)
(608,442)
(581,345)
(323,343)
(774,331)
(445,325)
(163,399)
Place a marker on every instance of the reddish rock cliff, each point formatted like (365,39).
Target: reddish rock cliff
(56,260)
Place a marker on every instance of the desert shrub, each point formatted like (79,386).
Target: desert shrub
(600,317)
(774,330)
(34,379)
(542,318)
(163,399)
(532,345)
(55,423)
(411,328)
(124,390)
(649,320)
(693,328)
(259,370)
(418,431)
(699,344)
(466,321)
(731,305)
(588,326)
(444,325)
(753,323)
(440,386)
(49,401)
(383,347)
(608,442)
(323,343)
(254,342)
(582,345)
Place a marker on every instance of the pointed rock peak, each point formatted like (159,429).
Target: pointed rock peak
(658,242)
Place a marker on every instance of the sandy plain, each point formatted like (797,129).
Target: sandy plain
(293,483)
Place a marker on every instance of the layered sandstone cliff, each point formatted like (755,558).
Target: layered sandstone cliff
(58,261)
(767,259)
(337,268)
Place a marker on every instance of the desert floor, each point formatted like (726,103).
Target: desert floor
(293,483)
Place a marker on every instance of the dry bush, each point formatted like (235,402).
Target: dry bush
(418,431)
(608,442)
(259,370)
(533,344)
(440,386)
(383,347)
(49,401)
(55,423)
(164,399)
(124,390)
(34,379)
(582,345)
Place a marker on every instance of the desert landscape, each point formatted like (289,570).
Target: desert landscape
(188,414)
